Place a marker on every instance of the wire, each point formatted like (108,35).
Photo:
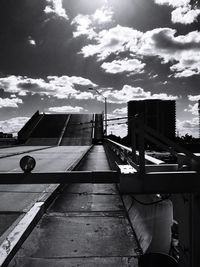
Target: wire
(92,121)
(149,203)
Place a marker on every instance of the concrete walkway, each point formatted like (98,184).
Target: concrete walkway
(85,226)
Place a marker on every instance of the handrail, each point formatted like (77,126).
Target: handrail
(128,153)
(144,131)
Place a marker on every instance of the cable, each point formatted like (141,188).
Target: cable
(92,121)
(149,203)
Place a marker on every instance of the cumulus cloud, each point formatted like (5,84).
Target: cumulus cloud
(173,3)
(126,65)
(10,102)
(183,11)
(120,111)
(190,127)
(118,129)
(56,7)
(194,97)
(114,40)
(129,92)
(182,51)
(66,109)
(89,25)
(103,15)
(58,87)
(83,26)
(13,125)
(192,108)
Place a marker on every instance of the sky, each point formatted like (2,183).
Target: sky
(52,51)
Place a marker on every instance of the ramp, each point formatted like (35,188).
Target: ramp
(79,130)
(48,130)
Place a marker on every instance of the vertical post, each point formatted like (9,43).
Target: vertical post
(105,115)
(141,144)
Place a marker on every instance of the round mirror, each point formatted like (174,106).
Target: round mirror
(27,163)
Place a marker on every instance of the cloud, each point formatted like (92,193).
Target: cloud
(59,87)
(118,129)
(83,26)
(56,7)
(194,97)
(129,92)
(114,40)
(134,66)
(67,109)
(89,25)
(173,3)
(181,51)
(10,102)
(120,111)
(103,15)
(183,11)
(185,15)
(190,127)
(192,108)
(13,125)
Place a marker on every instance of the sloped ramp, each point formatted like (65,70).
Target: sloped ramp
(48,130)
(79,130)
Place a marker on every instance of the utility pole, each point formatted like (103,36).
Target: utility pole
(105,107)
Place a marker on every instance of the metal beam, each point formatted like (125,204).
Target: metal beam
(160,182)
(60,177)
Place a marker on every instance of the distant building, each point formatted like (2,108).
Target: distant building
(158,114)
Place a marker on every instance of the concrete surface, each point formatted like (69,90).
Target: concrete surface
(6,220)
(95,160)
(18,149)
(47,160)
(99,235)
(78,131)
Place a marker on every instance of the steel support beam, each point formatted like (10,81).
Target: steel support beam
(136,183)
(60,177)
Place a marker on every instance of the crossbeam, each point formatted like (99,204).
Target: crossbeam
(135,182)
(59,177)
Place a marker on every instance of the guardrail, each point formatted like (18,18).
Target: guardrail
(126,155)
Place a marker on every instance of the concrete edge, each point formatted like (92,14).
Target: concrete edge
(17,236)
(18,232)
